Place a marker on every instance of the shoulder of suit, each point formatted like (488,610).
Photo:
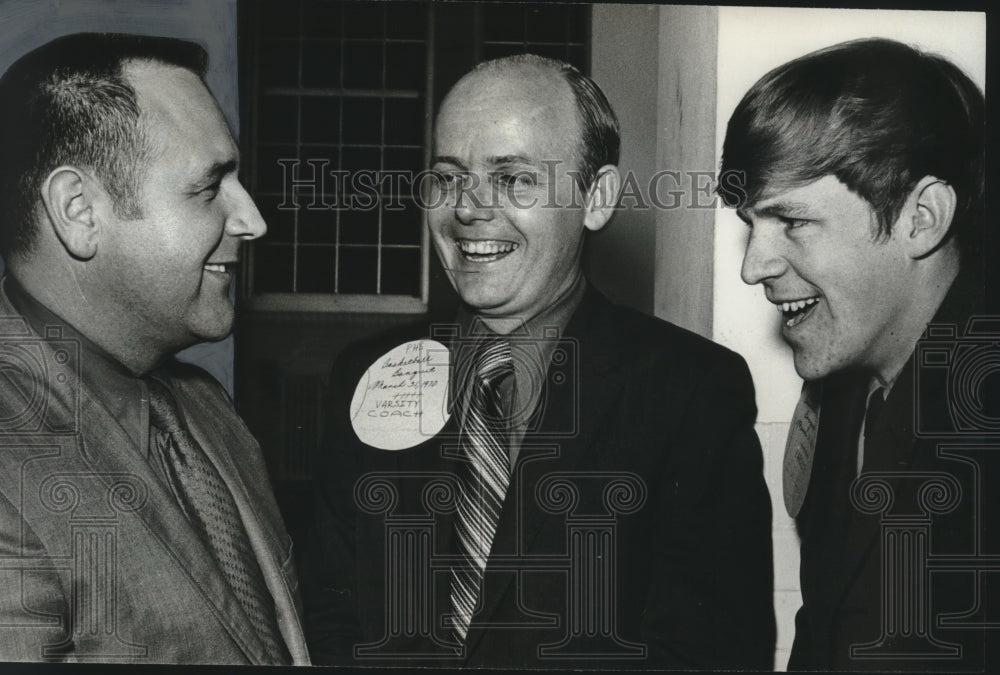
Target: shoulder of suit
(644,335)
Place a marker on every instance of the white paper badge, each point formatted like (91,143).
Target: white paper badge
(402,399)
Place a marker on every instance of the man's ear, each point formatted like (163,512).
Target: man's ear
(927,216)
(69,205)
(602,197)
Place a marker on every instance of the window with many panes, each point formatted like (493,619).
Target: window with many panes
(339,101)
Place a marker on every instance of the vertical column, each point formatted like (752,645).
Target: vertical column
(592,601)
(94,528)
(905,535)
(409,549)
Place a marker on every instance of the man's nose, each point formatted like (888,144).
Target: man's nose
(243,219)
(763,257)
(474,200)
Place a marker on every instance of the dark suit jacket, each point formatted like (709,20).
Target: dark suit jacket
(848,599)
(97,560)
(649,430)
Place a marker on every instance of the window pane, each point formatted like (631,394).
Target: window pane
(407,20)
(280,222)
(404,159)
(401,271)
(279,63)
(363,65)
(281,18)
(503,22)
(316,269)
(321,63)
(317,226)
(358,270)
(320,119)
(359,226)
(404,121)
(355,161)
(363,19)
(578,57)
(320,18)
(546,23)
(549,51)
(272,268)
(493,51)
(271,174)
(406,66)
(278,119)
(401,226)
(362,120)
(576,23)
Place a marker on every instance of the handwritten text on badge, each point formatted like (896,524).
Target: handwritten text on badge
(401,400)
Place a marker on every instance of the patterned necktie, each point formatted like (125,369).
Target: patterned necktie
(484,444)
(209,506)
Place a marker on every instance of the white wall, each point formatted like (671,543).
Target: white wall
(751,42)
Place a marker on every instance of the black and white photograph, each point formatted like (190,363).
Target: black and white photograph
(398,334)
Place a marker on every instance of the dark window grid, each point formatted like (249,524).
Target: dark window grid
(532,43)
(381,247)
(344,93)
(369,40)
(522,41)
(341,94)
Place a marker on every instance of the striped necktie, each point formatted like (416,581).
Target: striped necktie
(209,505)
(484,443)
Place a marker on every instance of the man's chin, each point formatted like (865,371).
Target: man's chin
(215,327)
(810,369)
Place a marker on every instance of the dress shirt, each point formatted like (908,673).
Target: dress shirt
(534,341)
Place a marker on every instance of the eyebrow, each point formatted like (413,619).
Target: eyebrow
(494,160)
(775,209)
(216,171)
(510,159)
(447,159)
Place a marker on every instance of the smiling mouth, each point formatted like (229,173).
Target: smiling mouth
(485,250)
(219,268)
(795,312)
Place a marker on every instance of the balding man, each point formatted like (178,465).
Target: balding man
(593,493)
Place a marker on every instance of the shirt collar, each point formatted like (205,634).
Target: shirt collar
(535,341)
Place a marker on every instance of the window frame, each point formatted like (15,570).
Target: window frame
(253,91)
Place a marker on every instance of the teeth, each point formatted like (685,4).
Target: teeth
(485,247)
(796,305)
(213,267)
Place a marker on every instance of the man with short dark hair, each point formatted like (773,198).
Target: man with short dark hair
(136,519)
(592,494)
(859,169)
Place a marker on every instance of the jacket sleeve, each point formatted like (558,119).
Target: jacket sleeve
(33,606)
(711,601)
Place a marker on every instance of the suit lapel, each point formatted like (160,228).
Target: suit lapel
(566,423)
(259,514)
(890,448)
(106,449)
